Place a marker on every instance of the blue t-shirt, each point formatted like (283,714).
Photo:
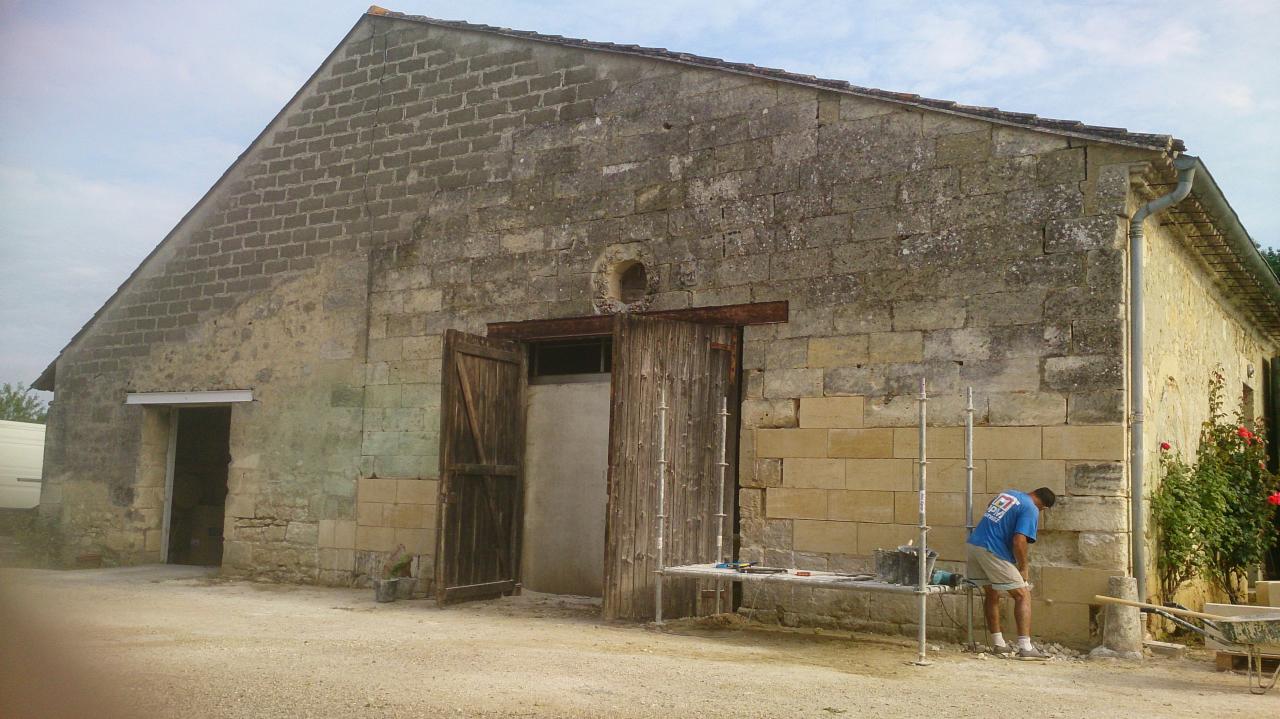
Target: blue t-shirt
(1010,513)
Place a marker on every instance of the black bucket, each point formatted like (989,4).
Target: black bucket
(902,565)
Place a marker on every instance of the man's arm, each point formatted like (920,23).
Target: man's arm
(1021,549)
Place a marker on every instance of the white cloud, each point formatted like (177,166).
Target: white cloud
(66,243)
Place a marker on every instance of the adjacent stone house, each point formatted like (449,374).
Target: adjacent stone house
(274,387)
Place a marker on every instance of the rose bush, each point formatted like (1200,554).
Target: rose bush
(1214,517)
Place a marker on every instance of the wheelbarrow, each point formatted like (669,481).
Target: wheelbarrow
(1250,633)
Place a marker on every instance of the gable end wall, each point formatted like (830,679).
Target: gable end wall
(500,176)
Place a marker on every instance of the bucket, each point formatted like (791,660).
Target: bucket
(902,565)
(405,587)
(384,590)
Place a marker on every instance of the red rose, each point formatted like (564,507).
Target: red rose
(1245,434)
(1274,498)
(1165,446)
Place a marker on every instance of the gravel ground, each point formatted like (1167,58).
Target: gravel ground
(176,642)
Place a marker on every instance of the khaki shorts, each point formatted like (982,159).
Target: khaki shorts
(985,568)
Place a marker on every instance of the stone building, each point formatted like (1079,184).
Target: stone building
(274,387)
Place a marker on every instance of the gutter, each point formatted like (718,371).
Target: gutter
(1186,166)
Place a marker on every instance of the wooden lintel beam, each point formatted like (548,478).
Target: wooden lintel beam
(756,313)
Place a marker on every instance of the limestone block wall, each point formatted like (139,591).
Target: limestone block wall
(907,243)
(496,179)
(840,489)
(389,513)
(262,287)
(294,450)
(1192,330)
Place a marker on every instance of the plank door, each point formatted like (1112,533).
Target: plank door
(481,453)
(693,362)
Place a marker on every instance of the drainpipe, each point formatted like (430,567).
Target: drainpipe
(1186,167)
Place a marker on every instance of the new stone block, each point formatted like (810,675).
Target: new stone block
(884,536)
(369,514)
(1025,475)
(1074,584)
(826,537)
(1006,442)
(1268,594)
(1084,442)
(404,516)
(416,491)
(950,475)
(791,443)
(1067,622)
(860,443)
(940,442)
(783,503)
(808,473)
(859,506)
(944,508)
(888,475)
(344,534)
(376,490)
(831,412)
(415,541)
(949,542)
(325,536)
(377,539)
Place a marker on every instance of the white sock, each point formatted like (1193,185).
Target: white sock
(997,639)
(1024,642)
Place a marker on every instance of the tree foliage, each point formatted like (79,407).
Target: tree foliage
(19,404)
(1213,517)
(1272,256)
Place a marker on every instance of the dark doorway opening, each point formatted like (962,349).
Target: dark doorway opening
(199,498)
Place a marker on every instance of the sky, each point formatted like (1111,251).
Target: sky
(116,117)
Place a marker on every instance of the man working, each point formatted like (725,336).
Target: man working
(998,550)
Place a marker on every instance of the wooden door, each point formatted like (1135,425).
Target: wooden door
(693,363)
(481,453)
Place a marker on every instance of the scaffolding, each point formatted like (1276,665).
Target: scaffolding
(923,588)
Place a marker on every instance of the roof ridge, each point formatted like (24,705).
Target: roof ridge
(1076,128)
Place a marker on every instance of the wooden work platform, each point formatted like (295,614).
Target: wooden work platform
(1239,661)
(823,580)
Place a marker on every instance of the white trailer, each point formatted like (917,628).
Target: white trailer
(21,464)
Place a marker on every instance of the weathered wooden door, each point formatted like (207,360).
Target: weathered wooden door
(481,452)
(693,364)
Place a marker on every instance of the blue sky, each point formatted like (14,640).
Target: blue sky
(115,117)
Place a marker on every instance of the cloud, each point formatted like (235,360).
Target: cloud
(66,243)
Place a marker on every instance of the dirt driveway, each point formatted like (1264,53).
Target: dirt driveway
(175,642)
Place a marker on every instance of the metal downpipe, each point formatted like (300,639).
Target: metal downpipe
(1186,167)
